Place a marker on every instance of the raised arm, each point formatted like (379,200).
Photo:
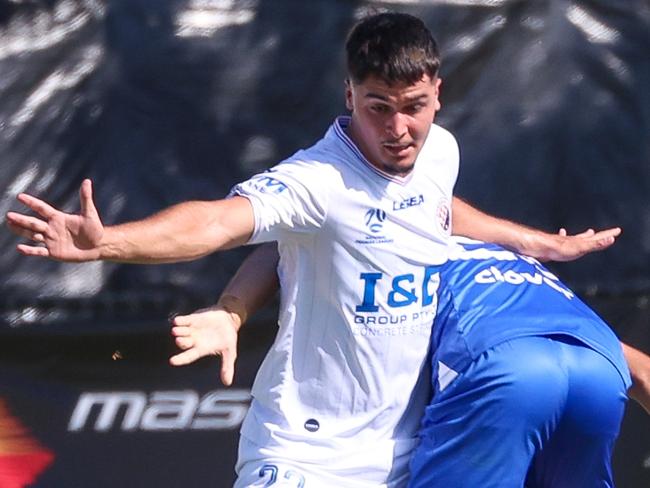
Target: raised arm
(639,364)
(179,233)
(472,223)
(214,330)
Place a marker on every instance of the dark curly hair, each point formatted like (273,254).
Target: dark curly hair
(394,47)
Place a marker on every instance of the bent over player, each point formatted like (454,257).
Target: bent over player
(529,384)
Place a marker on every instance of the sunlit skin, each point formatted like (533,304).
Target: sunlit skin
(390,122)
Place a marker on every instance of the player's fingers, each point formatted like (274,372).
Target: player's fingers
(181,331)
(228,357)
(562,232)
(182,320)
(184,358)
(27,234)
(184,342)
(25,222)
(33,250)
(596,243)
(37,205)
(603,234)
(587,233)
(88,208)
(604,239)
(604,242)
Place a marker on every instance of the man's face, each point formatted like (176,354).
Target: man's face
(390,123)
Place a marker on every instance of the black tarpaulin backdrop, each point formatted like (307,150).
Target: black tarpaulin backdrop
(160,102)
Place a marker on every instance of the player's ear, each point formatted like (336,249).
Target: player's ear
(437,84)
(348,95)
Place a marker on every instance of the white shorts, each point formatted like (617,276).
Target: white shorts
(261,467)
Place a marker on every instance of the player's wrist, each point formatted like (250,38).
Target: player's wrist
(236,307)
(536,244)
(108,247)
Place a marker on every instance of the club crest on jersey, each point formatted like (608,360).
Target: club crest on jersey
(374,219)
(443,216)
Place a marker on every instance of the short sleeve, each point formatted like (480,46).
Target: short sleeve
(290,198)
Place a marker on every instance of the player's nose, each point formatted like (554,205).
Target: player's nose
(396,125)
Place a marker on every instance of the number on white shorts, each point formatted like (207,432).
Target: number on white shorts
(271,470)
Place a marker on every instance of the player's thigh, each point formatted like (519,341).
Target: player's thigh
(484,428)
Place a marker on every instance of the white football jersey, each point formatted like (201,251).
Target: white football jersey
(341,380)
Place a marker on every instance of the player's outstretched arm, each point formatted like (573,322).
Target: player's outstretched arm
(639,364)
(179,233)
(214,330)
(472,223)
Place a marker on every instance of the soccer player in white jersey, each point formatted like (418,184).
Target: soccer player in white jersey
(361,218)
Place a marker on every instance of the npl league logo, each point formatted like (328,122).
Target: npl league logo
(22,458)
(374,220)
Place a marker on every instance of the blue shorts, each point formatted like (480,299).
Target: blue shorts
(537,412)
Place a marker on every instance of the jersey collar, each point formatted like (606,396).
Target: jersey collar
(340,126)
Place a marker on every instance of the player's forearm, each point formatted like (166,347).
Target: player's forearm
(471,222)
(254,283)
(182,232)
(639,365)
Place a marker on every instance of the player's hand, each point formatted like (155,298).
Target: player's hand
(207,332)
(56,234)
(564,247)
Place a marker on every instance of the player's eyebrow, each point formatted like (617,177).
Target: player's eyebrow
(409,99)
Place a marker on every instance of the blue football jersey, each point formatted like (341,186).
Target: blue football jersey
(488,295)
